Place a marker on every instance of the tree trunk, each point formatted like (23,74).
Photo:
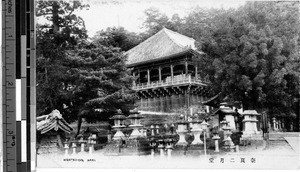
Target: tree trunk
(79,122)
(59,141)
(55,17)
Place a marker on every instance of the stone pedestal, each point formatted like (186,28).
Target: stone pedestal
(227,139)
(275,127)
(152,145)
(169,148)
(118,125)
(228,115)
(237,148)
(231,122)
(91,146)
(74,146)
(152,130)
(161,147)
(157,129)
(66,147)
(181,131)
(216,138)
(196,130)
(250,124)
(135,123)
(82,143)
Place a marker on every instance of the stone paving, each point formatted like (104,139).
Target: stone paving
(294,143)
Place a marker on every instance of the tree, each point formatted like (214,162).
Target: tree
(98,82)
(78,77)
(156,20)
(117,37)
(60,32)
(251,59)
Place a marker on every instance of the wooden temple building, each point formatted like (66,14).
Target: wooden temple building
(167,78)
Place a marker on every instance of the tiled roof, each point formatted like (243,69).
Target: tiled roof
(162,44)
(52,121)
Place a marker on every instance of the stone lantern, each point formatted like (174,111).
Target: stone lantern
(227,133)
(66,146)
(250,122)
(152,145)
(161,147)
(74,145)
(82,143)
(181,131)
(216,138)
(275,128)
(135,123)
(169,146)
(204,127)
(118,125)
(223,124)
(91,142)
(196,130)
(228,113)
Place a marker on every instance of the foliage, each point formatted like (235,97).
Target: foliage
(117,37)
(60,32)
(251,52)
(75,76)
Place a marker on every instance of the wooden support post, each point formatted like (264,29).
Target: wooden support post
(196,73)
(134,83)
(148,76)
(159,73)
(186,68)
(172,73)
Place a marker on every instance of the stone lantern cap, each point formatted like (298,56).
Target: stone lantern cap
(182,122)
(196,121)
(250,112)
(66,141)
(224,122)
(225,110)
(135,116)
(118,117)
(134,111)
(204,123)
(74,141)
(224,104)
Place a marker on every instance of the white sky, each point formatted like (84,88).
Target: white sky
(130,13)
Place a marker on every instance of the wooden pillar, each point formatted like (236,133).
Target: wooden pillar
(148,76)
(196,72)
(172,73)
(159,73)
(186,68)
(134,83)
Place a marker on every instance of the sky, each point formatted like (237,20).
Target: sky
(130,13)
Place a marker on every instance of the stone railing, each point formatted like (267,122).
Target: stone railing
(177,80)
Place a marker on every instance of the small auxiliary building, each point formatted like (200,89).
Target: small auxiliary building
(167,79)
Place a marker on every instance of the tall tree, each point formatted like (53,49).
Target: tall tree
(156,20)
(59,31)
(117,37)
(78,77)
(251,57)
(98,82)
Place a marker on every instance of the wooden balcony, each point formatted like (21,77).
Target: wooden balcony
(177,81)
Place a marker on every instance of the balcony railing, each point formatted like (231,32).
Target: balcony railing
(177,80)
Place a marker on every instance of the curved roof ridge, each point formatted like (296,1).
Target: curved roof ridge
(176,33)
(177,37)
(172,39)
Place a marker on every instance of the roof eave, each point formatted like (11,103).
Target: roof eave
(163,58)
